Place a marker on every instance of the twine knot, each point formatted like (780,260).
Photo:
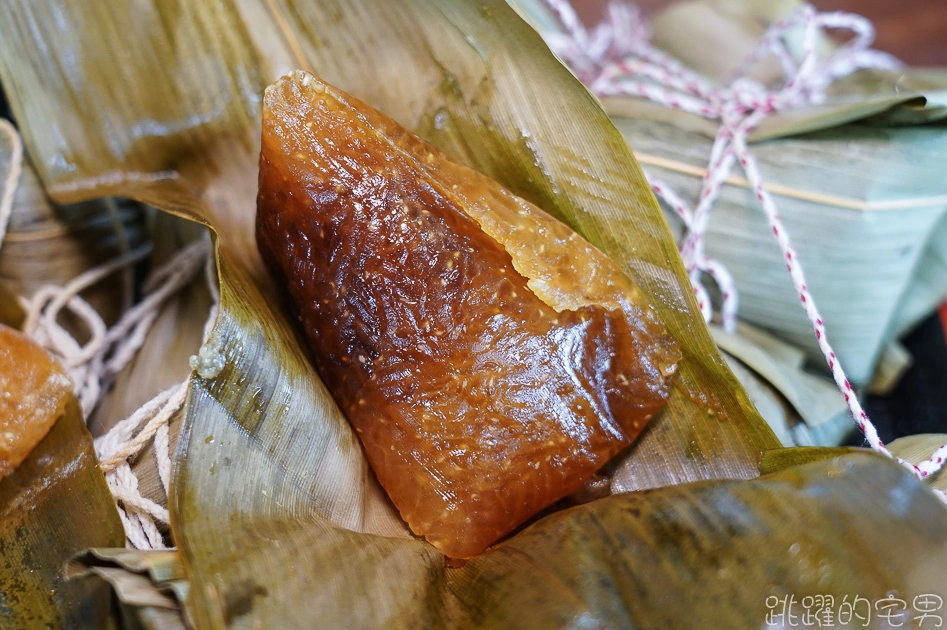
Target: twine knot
(616,58)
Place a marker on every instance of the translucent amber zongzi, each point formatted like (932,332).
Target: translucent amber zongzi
(33,394)
(489,358)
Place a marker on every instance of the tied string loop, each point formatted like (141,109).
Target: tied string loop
(94,364)
(616,58)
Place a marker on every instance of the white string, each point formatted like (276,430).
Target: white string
(149,423)
(128,438)
(125,440)
(140,515)
(94,365)
(617,58)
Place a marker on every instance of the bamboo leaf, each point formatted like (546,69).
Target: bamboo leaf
(11,313)
(732,29)
(717,554)
(783,458)
(149,584)
(163,566)
(472,88)
(51,507)
(271,488)
(163,359)
(47,244)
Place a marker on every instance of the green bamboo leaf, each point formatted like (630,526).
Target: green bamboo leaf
(471,84)
(51,507)
(783,458)
(732,29)
(931,82)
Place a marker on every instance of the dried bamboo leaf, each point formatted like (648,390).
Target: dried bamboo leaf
(869,217)
(50,245)
(778,413)
(51,507)
(133,589)
(659,249)
(930,82)
(839,111)
(713,554)
(176,334)
(271,488)
(162,565)
(929,285)
(146,583)
(544,156)
(11,313)
(816,400)
(732,29)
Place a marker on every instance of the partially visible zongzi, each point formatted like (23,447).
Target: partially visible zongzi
(34,390)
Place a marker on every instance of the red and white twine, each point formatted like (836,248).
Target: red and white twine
(616,58)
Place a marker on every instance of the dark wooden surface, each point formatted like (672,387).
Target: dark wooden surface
(915,31)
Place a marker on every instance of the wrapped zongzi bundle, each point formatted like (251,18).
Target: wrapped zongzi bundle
(488,357)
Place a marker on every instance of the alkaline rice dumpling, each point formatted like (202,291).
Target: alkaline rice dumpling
(34,390)
(489,358)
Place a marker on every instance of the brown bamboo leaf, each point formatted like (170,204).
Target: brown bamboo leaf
(163,359)
(53,506)
(147,584)
(271,488)
(718,554)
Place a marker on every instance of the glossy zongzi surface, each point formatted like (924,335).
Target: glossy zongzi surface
(489,358)
(34,390)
